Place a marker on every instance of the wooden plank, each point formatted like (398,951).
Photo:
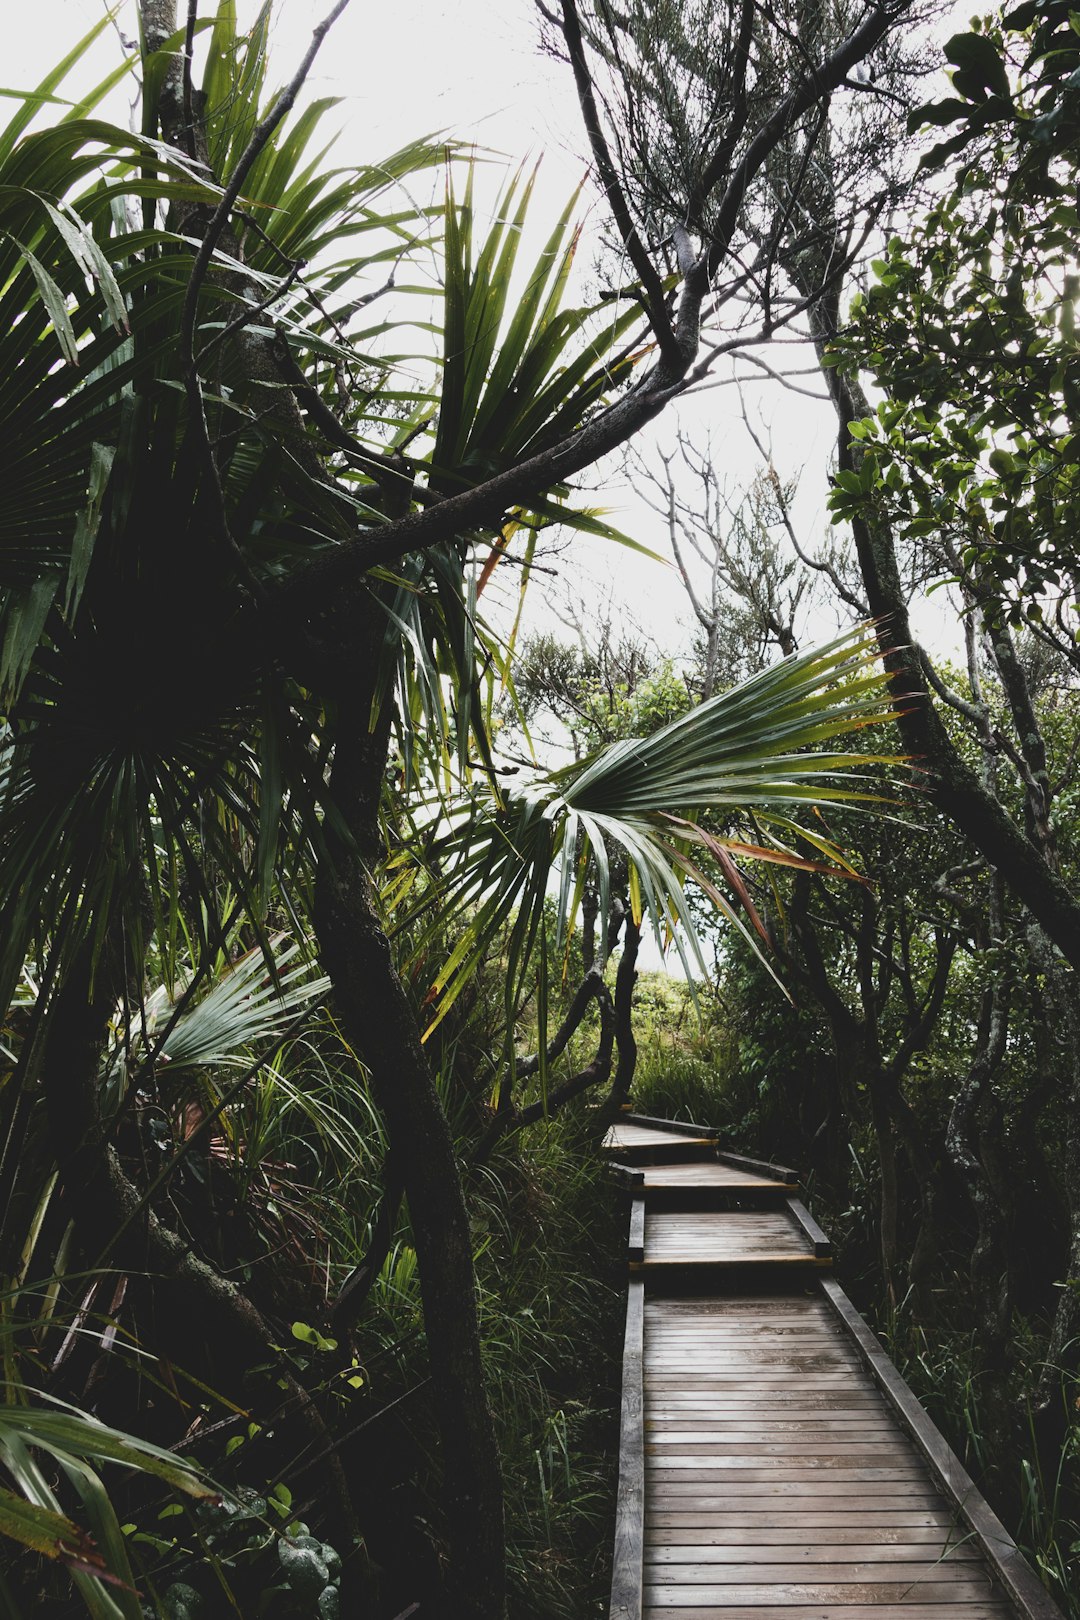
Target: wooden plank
(806,1221)
(782,1172)
(671,1492)
(674,1309)
(674,1428)
(720,1358)
(730,1541)
(909,1609)
(680,1127)
(632,1138)
(674,1512)
(637,1230)
(783,1332)
(773,1378)
(629,1176)
(778,1554)
(686,1444)
(695,1570)
(1005,1558)
(726,1411)
(741,1471)
(626,1575)
(663,1595)
(710,1176)
(795,1261)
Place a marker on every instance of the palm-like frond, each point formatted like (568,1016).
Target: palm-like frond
(519,368)
(518,371)
(758,748)
(246,1007)
(75,1445)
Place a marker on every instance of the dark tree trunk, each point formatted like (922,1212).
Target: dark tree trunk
(625,980)
(380,1020)
(967,1140)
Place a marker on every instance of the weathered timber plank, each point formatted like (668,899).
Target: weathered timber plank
(672,1310)
(678,1127)
(728,1492)
(636,1245)
(739,1473)
(626,1578)
(710,1175)
(784,1264)
(783,1172)
(631,1138)
(794,1513)
(736,1359)
(814,1234)
(662,1447)
(761,1541)
(666,1596)
(910,1609)
(781,1556)
(671,1429)
(721,1382)
(694,1571)
(786,1325)
(731,1410)
(1003,1555)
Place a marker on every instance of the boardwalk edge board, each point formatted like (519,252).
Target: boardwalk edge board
(636,1249)
(678,1127)
(1014,1572)
(627,1567)
(719,1505)
(779,1172)
(822,1245)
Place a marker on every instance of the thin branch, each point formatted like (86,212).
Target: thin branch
(249,313)
(820,81)
(947,694)
(189,98)
(655,296)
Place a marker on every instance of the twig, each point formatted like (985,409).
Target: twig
(655,299)
(189,99)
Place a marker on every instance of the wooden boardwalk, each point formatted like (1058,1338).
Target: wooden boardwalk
(774,1466)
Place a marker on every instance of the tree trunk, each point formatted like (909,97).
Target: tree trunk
(379,1019)
(625,980)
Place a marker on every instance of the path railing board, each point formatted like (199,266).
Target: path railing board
(773,1464)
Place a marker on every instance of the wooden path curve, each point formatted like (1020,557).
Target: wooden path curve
(773,1463)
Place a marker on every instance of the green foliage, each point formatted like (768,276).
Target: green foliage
(969,330)
(748,752)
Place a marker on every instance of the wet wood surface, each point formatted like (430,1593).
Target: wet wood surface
(767,1488)
(727,1237)
(780,1468)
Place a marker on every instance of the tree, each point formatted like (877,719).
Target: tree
(219,488)
(969,458)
